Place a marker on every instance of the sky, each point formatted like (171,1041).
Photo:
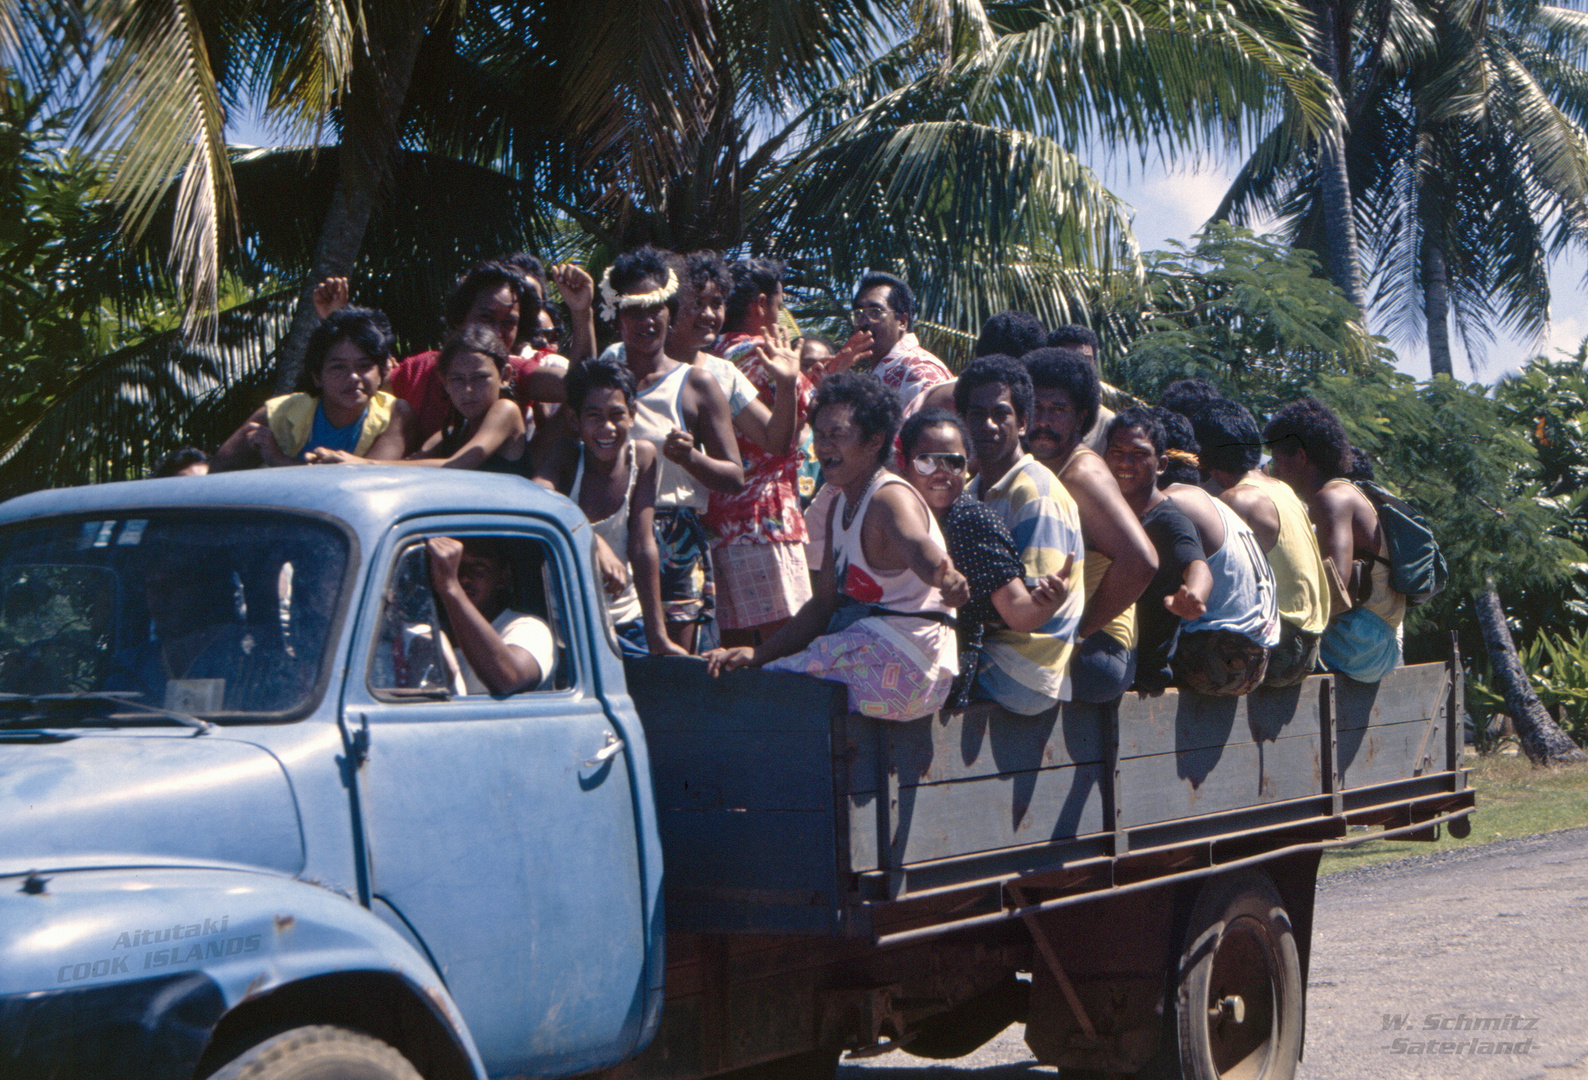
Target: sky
(1172,206)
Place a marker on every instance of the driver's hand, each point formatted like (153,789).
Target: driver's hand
(446,554)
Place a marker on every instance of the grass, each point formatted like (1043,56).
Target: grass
(1514,799)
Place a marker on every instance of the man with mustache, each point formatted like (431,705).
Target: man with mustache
(1120,559)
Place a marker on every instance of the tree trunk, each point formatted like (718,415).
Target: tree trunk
(1436,309)
(371,109)
(1339,213)
(1542,740)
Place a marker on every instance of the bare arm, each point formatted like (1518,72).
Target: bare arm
(1024,610)
(1331,517)
(717,467)
(1112,530)
(392,444)
(897,535)
(644,557)
(578,292)
(239,451)
(503,668)
(501,423)
(1257,510)
(1190,601)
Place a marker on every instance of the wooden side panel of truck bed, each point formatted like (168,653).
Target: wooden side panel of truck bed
(782,813)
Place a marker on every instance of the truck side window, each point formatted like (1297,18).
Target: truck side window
(416,652)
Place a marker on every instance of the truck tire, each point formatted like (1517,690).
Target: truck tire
(1239,1007)
(319,1053)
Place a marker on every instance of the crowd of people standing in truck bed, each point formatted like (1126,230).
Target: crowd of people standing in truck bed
(857,512)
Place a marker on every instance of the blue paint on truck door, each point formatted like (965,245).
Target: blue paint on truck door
(502,831)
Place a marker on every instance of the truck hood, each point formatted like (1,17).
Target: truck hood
(157,800)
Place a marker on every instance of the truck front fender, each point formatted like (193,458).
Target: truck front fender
(114,973)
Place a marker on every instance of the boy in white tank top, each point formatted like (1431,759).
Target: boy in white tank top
(880,620)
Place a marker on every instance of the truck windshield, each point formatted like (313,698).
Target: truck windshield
(223,615)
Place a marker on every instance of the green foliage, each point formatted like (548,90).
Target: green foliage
(1248,312)
(1557,664)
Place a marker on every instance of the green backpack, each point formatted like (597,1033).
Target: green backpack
(1417,567)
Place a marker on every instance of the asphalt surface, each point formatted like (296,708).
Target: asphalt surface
(1411,962)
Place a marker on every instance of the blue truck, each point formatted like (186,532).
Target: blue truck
(251,827)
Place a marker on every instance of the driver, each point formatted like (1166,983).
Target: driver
(503,651)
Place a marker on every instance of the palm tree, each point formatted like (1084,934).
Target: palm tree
(933,137)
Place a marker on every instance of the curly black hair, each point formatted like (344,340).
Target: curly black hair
(875,407)
(1228,435)
(1071,372)
(987,370)
(177,460)
(699,269)
(484,277)
(751,278)
(911,432)
(1145,418)
(529,265)
(598,374)
(1011,333)
(1312,425)
(633,267)
(1186,396)
(365,327)
(1178,435)
(469,341)
(1070,335)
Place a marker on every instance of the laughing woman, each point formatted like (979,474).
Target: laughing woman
(880,619)
(338,407)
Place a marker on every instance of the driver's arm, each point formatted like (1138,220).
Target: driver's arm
(503,668)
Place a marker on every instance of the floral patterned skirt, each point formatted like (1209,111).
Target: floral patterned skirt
(884,682)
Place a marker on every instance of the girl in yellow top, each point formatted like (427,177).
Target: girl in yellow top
(338,407)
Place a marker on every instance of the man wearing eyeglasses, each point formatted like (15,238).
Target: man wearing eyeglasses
(885,306)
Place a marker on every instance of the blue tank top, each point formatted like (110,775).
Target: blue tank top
(325,436)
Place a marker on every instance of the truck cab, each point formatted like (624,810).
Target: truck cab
(244,790)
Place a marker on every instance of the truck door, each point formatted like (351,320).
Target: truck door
(502,830)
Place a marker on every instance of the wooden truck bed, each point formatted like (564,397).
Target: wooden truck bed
(782,813)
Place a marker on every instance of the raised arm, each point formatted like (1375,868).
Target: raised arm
(504,668)
(578,292)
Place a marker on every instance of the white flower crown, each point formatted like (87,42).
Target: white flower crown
(612,300)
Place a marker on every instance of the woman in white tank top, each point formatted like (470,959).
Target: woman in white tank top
(880,620)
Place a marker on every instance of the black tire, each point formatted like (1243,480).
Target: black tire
(1238,1013)
(319,1053)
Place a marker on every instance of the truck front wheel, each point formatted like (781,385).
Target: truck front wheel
(319,1053)
(1238,1015)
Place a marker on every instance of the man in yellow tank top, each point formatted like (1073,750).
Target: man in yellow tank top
(1231,448)
(1312,454)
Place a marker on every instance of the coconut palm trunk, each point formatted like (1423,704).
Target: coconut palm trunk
(1339,213)
(1543,741)
(371,111)
(1436,309)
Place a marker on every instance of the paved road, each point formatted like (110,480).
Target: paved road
(1499,931)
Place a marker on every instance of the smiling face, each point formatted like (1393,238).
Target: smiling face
(995,429)
(944,484)
(348,379)
(495,311)
(1135,463)
(644,330)
(472,383)
(604,422)
(846,455)
(1055,426)
(700,315)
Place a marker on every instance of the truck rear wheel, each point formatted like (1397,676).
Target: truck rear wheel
(319,1053)
(1238,1013)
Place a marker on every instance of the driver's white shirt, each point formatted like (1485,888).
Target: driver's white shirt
(525,631)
